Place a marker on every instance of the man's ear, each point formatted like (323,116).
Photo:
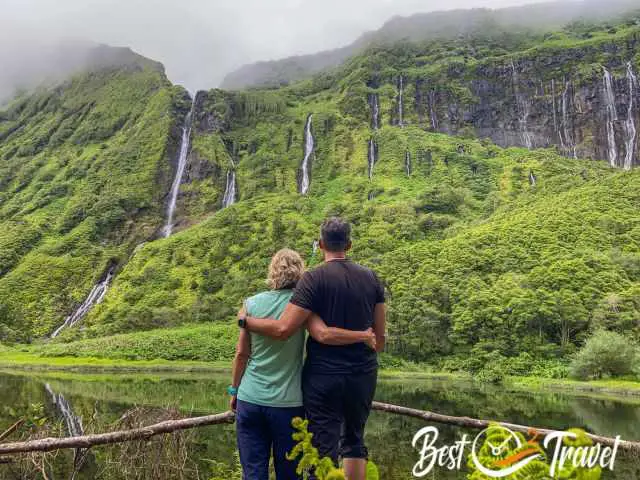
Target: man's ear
(321,245)
(348,247)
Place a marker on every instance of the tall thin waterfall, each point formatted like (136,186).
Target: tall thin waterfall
(229,197)
(612,117)
(532,178)
(94,298)
(407,162)
(308,151)
(182,162)
(567,142)
(432,112)
(372,155)
(375,111)
(555,113)
(230,190)
(523,110)
(631,123)
(400,102)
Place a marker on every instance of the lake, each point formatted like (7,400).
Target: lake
(113,401)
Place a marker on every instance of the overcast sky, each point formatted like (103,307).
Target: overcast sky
(199,41)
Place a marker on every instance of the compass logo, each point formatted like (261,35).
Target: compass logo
(498,452)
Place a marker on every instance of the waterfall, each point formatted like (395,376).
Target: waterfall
(400,100)
(566,139)
(230,190)
(612,117)
(72,422)
(432,113)
(308,151)
(523,107)
(314,247)
(182,162)
(372,154)
(95,297)
(375,111)
(630,124)
(532,178)
(555,113)
(407,162)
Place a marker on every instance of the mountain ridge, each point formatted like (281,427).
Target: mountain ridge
(47,66)
(419,27)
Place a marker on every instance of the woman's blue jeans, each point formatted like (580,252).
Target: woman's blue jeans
(261,430)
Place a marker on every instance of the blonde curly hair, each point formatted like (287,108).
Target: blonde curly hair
(285,270)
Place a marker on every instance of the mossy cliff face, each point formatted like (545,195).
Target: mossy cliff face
(555,94)
(84,171)
(527,90)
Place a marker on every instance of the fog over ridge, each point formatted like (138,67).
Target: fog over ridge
(198,41)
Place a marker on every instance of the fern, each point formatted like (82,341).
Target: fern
(324,469)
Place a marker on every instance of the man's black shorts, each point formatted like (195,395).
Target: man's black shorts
(337,407)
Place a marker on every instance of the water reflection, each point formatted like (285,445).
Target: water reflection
(107,398)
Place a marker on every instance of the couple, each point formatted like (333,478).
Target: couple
(341,305)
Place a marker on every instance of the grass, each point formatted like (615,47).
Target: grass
(612,386)
(166,350)
(191,343)
(32,361)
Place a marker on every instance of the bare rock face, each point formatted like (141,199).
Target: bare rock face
(210,112)
(567,99)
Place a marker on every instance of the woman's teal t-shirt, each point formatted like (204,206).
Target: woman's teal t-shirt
(273,375)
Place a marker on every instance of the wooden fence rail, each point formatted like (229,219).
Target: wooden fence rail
(169,426)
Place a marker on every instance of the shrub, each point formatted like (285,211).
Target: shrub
(604,354)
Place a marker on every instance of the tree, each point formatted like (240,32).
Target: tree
(605,353)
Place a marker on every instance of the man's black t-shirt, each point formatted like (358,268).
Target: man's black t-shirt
(344,295)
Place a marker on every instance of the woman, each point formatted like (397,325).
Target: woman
(266,381)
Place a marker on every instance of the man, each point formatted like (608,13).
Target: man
(339,381)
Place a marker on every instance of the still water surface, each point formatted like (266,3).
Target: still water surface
(105,402)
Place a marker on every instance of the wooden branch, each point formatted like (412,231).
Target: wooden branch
(468,422)
(88,441)
(169,426)
(11,429)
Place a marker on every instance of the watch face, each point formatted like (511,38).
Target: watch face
(242,322)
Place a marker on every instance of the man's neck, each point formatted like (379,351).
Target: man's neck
(332,256)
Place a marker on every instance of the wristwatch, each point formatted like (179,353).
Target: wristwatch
(231,390)
(242,322)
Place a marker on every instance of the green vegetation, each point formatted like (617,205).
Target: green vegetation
(308,457)
(499,262)
(79,170)
(605,354)
(203,343)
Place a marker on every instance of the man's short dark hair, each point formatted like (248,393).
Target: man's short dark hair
(335,234)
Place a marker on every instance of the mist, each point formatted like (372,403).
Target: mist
(198,41)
